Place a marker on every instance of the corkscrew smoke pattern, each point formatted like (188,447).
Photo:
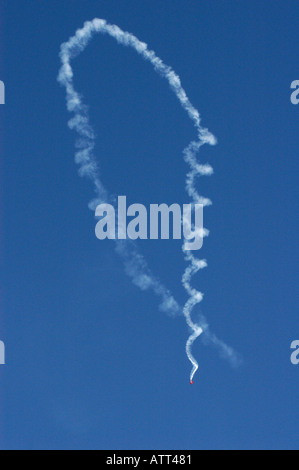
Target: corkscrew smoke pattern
(135,265)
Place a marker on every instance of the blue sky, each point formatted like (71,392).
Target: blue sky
(91,362)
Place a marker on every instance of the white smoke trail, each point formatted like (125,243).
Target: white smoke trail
(135,264)
(195,298)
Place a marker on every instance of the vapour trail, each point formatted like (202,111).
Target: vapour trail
(135,264)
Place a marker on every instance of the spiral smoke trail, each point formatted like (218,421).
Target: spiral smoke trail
(135,264)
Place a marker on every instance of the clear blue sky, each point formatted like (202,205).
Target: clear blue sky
(91,362)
